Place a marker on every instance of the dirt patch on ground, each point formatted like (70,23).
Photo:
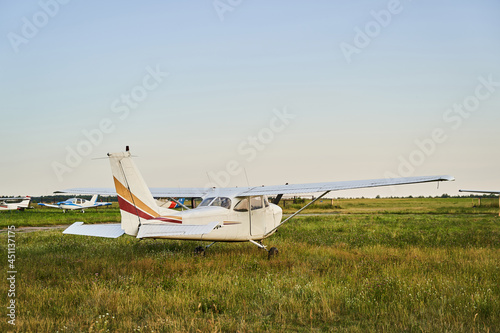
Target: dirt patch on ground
(33,229)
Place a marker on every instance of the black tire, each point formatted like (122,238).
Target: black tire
(200,251)
(273,252)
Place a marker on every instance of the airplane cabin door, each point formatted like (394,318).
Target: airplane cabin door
(258,216)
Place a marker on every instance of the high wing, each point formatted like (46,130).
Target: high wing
(197,192)
(337,186)
(158,192)
(479,191)
(15,198)
(89,191)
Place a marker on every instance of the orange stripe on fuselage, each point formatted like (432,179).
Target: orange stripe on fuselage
(173,217)
(130,197)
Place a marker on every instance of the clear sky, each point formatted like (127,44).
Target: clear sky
(237,91)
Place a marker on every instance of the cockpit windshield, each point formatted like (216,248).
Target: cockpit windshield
(206,202)
(216,201)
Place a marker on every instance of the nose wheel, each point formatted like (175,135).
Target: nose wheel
(272,252)
(199,251)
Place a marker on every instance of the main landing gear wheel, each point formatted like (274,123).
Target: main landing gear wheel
(200,251)
(273,252)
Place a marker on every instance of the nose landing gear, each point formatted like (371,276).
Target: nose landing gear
(272,252)
(200,250)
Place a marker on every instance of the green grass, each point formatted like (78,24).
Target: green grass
(384,272)
(43,216)
(400,205)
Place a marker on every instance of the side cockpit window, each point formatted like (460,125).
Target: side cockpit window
(216,202)
(256,203)
(222,202)
(242,206)
(206,202)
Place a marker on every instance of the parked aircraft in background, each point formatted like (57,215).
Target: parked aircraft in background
(77,203)
(239,214)
(19,203)
(170,204)
(483,192)
(480,191)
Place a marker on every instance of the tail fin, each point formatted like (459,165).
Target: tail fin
(135,200)
(94,198)
(26,202)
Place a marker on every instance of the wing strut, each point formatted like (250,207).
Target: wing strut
(278,198)
(297,212)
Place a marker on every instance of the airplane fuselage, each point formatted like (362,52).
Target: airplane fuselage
(242,219)
(77,204)
(14,203)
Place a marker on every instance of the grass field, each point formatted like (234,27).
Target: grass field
(418,265)
(401,206)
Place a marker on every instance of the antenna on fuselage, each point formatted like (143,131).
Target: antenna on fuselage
(246,176)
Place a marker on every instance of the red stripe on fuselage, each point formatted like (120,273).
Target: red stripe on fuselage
(129,208)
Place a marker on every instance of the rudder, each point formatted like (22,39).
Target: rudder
(136,201)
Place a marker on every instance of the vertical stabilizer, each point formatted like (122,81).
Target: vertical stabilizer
(94,198)
(135,200)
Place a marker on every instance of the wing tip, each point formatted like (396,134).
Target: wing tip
(448,178)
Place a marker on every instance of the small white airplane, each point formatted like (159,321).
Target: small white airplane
(238,214)
(77,203)
(20,203)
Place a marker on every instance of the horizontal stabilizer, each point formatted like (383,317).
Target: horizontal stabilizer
(153,230)
(96,230)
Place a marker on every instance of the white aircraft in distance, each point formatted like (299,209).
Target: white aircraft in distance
(20,203)
(480,191)
(484,192)
(238,214)
(77,203)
